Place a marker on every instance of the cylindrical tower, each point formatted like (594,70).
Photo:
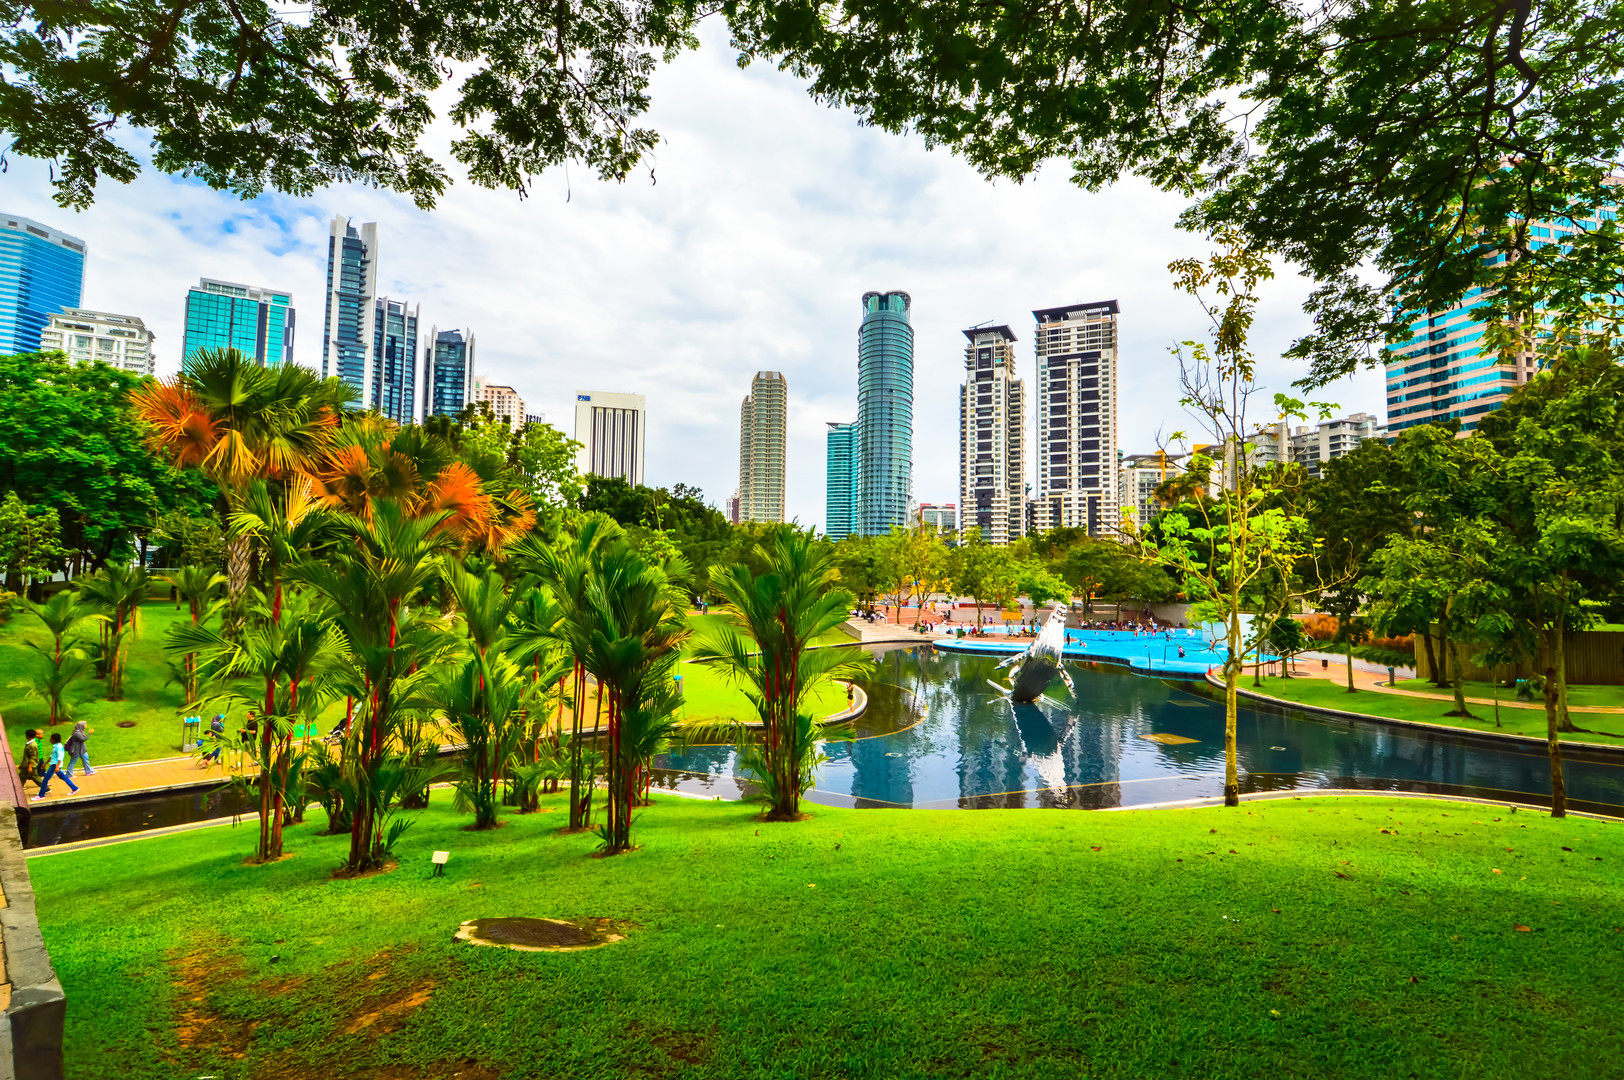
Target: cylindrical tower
(885,349)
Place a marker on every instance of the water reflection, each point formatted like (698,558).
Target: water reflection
(938,735)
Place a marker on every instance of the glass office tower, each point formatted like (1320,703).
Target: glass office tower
(840,500)
(885,346)
(448,372)
(348,334)
(224,315)
(42,273)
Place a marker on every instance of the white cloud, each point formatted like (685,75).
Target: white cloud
(771,215)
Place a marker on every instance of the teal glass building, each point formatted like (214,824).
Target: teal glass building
(256,322)
(885,353)
(348,334)
(42,272)
(840,500)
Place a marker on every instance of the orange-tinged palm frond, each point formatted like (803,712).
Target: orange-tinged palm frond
(515,516)
(459,493)
(181,427)
(342,481)
(394,476)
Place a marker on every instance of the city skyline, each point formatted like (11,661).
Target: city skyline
(771,213)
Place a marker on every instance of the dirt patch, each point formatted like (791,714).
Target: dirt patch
(194,974)
(125,724)
(344,873)
(386,1014)
(543,935)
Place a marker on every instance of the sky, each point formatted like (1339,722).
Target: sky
(767,217)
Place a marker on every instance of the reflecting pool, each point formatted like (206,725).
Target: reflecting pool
(936,734)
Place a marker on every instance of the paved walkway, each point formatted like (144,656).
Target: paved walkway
(144,777)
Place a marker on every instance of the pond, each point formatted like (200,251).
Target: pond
(936,734)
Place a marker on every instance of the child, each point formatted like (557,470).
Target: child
(58,753)
(77,751)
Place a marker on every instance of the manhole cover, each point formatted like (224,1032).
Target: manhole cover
(541,935)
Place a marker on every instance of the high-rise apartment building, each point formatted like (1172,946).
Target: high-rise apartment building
(1077,417)
(504,401)
(1138,479)
(1443,372)
(256,322)
(610,429)
(763,425)
(840,485)
(349,331)
(122,341)
(448,372)
(1312,446)
(733,509)
(885,348)
(42,272)
(992,438)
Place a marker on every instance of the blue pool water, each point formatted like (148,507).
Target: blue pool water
(937,735)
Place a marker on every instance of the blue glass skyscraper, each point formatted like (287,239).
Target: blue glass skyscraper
(352,283)
(42,271)
(224,315)
(448,372)
(394,360)
(840,501)
(885,347)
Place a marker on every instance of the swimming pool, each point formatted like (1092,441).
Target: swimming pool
(937,735)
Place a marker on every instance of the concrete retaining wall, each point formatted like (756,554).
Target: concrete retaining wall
(35,1006)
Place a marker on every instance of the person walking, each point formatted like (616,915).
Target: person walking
(29,769)
(58,753)
(217,729)
(77,751)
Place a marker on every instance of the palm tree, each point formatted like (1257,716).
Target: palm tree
(637,618)
(62,615)
(117,592)
(482,699)
(236,421)
(196,586)
(389,559)
(566,568)
(776,616)
(535,642)
(283,526)
(290,661)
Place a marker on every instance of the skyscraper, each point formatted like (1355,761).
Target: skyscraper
(122,341)
(224,315)
(448,372)
(610,429)
(394,360)
(992,438)
(1077,418)
(504,401)
(348,331)
(42,272)
(840,498)
(763,421)
(885,342)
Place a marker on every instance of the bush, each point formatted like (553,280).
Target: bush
(1386,657)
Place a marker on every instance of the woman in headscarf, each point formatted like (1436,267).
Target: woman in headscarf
(77,751)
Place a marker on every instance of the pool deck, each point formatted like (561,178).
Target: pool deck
(1154,656)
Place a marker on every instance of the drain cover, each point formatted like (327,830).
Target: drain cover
(1168,740)
(540,935)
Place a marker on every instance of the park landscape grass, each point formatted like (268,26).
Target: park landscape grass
(1326,694)
(1348,937)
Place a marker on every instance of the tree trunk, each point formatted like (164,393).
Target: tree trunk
(1553,746)
(1232,784)
(1564,721)
(1432,658)
(1455,683)
(1440,675)
(1350,666)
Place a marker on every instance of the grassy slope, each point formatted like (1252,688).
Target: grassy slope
(934,944)
(1329,695)
(150,700)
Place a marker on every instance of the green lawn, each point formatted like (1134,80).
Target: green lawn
(705,626)
(1610,696)
(1601,728)
(1354,938)
(707,694)
(151,702)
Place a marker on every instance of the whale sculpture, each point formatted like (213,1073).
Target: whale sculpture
(1034,668)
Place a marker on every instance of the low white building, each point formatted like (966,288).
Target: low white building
(1313,446)
(1138,479)
(503,400)
(122,341)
